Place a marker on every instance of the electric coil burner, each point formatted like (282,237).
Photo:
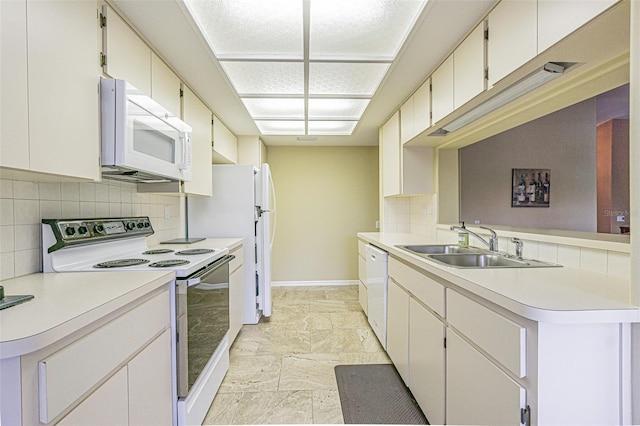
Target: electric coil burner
(194,252)
(121,263)
(158,251)
(168,263)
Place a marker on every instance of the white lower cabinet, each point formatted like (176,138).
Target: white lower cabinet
(398,329)
(363,295)
(236,293)
(478,392)
(427,361)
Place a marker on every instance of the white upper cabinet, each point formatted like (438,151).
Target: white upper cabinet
(469,67)
(53,127)
(251,150)
(225,144)
(442,90)
(558,19)
(127,56)
(165,85)
(14,120)
(390,151)
(415,113)
(198,116)
(513,28)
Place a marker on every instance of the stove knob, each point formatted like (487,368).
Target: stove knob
(131,226)
(70,231)
(147,224)
(82,230)
(140,225)
(98,229)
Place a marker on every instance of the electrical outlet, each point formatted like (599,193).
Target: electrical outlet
(424,210)
(620,219)
(166,212)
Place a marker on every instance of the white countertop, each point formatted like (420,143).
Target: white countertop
(65,303)
(553,295)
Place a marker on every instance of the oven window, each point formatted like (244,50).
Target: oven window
(207,319)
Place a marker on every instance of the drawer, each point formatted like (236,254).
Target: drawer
(238,261)
(500,337)
(362,269)
(362,251)
(68,374)
(425,289)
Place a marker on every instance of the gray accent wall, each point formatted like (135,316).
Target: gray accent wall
(564,142)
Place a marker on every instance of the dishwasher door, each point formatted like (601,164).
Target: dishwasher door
(377,291)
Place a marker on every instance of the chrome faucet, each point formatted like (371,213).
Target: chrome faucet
(493,239)
(518,242)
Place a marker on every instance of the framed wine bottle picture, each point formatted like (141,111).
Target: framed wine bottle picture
(530,187)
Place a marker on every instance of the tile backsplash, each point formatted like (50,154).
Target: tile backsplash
(23,204)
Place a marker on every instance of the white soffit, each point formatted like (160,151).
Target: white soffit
(302,60)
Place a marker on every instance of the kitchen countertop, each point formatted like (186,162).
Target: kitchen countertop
(67,302)
(555,295)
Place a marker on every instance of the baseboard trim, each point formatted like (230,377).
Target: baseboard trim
(313,283)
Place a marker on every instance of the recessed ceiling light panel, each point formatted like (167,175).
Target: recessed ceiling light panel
(250,28)
(373,29)
(284,127)
(265,78)
(343,128)
(360,79)
(261,108)
(333,108)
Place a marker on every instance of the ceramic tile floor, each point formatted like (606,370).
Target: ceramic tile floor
(281,370)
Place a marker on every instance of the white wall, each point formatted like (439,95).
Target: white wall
(23,204)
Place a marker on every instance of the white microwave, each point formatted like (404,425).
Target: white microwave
(141,141)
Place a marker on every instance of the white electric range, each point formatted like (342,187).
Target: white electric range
(200,359)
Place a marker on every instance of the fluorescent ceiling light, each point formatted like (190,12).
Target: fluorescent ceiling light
(305,49)
(536,79)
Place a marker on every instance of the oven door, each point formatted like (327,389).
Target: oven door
(202,310)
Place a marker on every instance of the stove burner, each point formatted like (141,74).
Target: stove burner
(158,251)
(119,263)
(190,252)
(168,263)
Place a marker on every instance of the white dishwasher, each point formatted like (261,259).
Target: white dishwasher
(377,291)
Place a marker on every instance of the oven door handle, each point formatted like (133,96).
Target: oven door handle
(197,277)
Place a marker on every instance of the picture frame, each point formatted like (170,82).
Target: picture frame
(530,187)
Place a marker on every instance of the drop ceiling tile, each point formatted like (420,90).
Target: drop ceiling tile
(332,127)
(360,28)
(274,108)
(251,29)
(285,127)
(332,108)
(360,79)
(265,78)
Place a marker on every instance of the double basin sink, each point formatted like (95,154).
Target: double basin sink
(471,257)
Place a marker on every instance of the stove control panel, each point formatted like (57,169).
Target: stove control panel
(78,231)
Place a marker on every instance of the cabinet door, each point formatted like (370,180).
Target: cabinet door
(512,37)
(407,118)
(14,121)
(398,329)
(442,90)
(198,116)
(236,302)
(150,384)
(108,405)
(225,144)
(363,297)
(127,56)
(251,150)
(391,156)
(468,67)
(165,85)
(478,392)
(427,361)
(64,128)
(558,19)
(422,108)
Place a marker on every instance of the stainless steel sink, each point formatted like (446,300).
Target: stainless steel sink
(427,249)
(487,260)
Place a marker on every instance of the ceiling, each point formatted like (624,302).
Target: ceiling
(169,28)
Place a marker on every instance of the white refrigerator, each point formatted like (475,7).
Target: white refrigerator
(243,206)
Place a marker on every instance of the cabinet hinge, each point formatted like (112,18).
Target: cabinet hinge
(525,416)
(445,342)
(486,73)
(181,93)
(103,60)
(486,34)
(103,21)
